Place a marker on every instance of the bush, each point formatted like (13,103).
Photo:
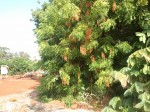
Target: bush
(136,98)
(19,65)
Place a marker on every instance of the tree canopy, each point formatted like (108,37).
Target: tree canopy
(84,42)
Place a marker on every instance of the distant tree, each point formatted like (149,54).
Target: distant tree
(18,63)
(5,53)
(24,55)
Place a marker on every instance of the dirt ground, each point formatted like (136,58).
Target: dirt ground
(19,95)
(15,85)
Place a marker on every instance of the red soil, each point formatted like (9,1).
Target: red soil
(13,85)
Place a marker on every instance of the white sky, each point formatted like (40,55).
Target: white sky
(16,29)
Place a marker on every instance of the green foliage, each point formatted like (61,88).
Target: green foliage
(124,47)
(114,102)
(86,43)
(18,63)
(44,99)
(139,90)
(68,100)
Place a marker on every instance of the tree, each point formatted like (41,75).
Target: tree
(82,42)
(5,53)
(24,55)
(19,63)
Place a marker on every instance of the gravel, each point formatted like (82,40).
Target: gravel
(27,102)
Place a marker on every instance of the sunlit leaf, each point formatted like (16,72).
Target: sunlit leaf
(139,87)
(114,102)
(139,105)
(147,106)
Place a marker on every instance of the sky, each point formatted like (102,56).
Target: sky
(16,29)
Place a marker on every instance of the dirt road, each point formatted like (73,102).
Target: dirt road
(13,85)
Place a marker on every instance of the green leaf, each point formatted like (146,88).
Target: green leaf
(139,105)
(125,70)
(128,92)
(121,77)
(124,47)
(114,102)
(108,109)
(146,69)
(144,97)
(148,41)
(142,2)
(139,87)
(108,24)
(139,34)
(147,106)
(144,39)
(148,33)
(54,79)
(131,109)
(100,8)
(127,102)
(142,36)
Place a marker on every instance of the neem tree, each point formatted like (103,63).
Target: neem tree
(83,41)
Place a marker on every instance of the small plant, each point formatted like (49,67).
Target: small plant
(44,99)
(68,100)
